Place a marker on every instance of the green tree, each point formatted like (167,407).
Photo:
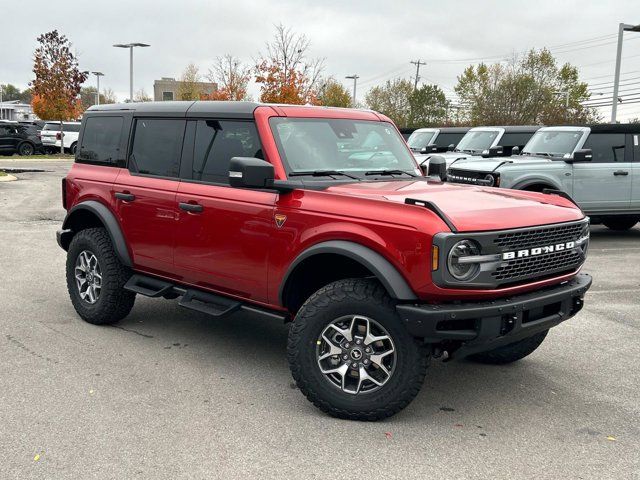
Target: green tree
(333,94)
(11,93)
(530,90)
(392,100)
(88,97)
(428,107)
(190,87)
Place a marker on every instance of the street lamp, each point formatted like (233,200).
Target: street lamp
(623,27)
(355,78)
(98,75)
(130,46)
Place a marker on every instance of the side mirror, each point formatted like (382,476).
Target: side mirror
(515,150)
(451,148)
(437,167)
(493,151)
(431,148)
(246,172)
(582,155)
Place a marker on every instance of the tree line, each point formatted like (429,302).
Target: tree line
(532,89)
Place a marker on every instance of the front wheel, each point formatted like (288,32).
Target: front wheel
(511,353)
(26,149)
(96,278)
(350,354)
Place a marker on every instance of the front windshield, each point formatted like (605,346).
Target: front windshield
(553,143)
(477,141)
(418,140)
(359,147)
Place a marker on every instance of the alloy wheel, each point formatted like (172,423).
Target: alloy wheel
(88,277)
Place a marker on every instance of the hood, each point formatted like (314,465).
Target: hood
(479,164)
(471,208)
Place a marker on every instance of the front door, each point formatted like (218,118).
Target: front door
(145,192)
(604,184)
(223,234)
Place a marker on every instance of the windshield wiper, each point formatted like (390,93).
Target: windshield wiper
(390,172)
(322,173)
(543,154)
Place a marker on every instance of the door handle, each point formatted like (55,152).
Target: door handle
(191,207)
(624,173)
(125,196)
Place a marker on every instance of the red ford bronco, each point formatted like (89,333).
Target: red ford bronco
(319,217)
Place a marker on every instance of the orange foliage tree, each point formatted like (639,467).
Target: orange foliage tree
(231,77)
(58,79)
(285,74)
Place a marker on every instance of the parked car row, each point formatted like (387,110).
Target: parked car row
(30,138)
(597,166)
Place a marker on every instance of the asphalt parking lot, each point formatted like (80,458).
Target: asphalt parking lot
(170,393)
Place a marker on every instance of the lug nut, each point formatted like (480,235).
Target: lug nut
(368,349)
(354,365)
(358,341)
(365,361)
(347,345)
(345,357)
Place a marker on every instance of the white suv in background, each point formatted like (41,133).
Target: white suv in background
(50,136)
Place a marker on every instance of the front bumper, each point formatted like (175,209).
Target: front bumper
(483,326)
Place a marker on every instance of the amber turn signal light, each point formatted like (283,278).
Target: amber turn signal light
(435,256)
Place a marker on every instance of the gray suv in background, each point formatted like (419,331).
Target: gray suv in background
(425,141)
(597,166)
(484,142)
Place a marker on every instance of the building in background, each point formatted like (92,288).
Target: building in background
(167,89)
(17,111)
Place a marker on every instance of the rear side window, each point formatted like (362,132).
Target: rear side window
(101,140)
(446,139)
(519,139)
(71,127)
(157,144)
(606,147)
(217,142)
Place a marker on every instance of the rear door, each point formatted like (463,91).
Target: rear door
(145,192)
(7,138)
(604,184)
(223,234)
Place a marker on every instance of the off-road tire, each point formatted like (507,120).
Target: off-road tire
(354,297)
(114,302)
(620,223)
(510,353)
(72,148)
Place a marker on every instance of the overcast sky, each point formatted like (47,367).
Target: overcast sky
(374,39)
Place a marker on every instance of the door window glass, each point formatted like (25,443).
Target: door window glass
(606,147)
(217,142)
(157,144)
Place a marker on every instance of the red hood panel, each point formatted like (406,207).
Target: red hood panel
(473,208)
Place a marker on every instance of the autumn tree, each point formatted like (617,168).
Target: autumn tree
(530,90)
(190,87)
(109,96)
(58,80)
(231,77)
(141,96)
(333,94)
(88,97)
(284,71)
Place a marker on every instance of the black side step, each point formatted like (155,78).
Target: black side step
(209,303)
(148,286)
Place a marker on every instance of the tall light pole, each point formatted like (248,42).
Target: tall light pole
(355,78)
(623,27)
(130,46)
(98,75)
(566,102)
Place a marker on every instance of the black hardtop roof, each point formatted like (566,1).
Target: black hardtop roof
(182,108)
(514,128)
(615,127)
(454,129)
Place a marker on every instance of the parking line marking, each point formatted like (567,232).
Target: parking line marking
(624,290)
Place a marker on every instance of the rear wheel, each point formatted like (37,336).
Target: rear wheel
(96,278)
(350,354)
(511,353)
(620,223)
(26,149)
(73,147)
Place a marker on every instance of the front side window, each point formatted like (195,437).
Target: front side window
(358,146)
(515,139)
(418,140)
(553,143)
(445,139)
(101,139)
(606,147)
(157,144)
(217,142)
(477,141)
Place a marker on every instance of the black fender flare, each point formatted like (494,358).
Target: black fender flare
(384,271)
(109,221)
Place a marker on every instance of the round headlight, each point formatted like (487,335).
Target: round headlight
(461,270)
(490,180)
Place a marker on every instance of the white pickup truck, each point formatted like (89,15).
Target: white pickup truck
(50,136)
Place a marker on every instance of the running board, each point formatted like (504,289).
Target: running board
(148,286)
(209,303)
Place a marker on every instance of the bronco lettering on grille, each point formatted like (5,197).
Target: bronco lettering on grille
(532,252)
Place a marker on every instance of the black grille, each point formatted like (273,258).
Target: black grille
(539,265)
(466,176)
(541,236)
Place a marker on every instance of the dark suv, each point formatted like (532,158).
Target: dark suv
(319,217)
(19,138)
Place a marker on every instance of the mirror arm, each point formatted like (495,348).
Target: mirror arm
(285,186)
